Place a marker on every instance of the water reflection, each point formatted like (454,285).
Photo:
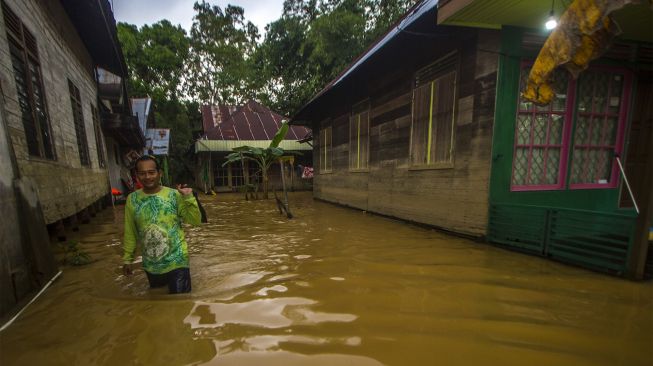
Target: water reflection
(264,313)
(331,287)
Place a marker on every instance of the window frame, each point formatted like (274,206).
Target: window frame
(326,130)
(444,66)
(99,141)
(79,123)
(622,124)
(25,49)
(358,110)
(565,138)
(568,142)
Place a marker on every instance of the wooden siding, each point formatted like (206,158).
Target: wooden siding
(454,199)
(65,186)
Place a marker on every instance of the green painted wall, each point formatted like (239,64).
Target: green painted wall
(605,200)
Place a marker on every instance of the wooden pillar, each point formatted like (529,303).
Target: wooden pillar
(639,251)
(229,176)
(92,209)
(72,222)
(292,174)
(60,230)
(83,216)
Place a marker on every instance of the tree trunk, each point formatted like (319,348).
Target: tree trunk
(265,183)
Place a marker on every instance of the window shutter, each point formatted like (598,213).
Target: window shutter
(30,44)
(432,71)
(11,22)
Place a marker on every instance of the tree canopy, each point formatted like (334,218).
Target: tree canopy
(223,59)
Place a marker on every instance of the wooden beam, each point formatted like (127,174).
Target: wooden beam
(639,251)
(448,9)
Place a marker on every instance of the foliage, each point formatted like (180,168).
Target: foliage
(222,42)
(155,55)
(220,61)
(263,158)
(175,115)
(313,42)
(73,255)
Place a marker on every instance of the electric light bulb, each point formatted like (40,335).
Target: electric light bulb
(551,23)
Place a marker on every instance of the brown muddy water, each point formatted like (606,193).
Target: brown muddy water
(334,286)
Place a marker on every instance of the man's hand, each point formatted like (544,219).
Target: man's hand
(127,269)
(184,190)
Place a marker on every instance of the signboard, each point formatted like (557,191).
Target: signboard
(157,141)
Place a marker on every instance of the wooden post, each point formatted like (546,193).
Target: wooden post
(639,251)
(84,216)
(245,180)
(60,230)
(285,191)
(230,177)
(292,174)
(72,222)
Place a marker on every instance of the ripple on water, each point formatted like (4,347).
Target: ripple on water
(331,287)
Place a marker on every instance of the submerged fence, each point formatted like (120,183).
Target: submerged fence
(596,240)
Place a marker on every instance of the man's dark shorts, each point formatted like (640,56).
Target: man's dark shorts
(178,280)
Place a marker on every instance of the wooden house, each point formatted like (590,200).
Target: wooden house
(428,126)
(56,116)
(252,124)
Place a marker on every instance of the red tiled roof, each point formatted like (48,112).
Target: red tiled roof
(251,121)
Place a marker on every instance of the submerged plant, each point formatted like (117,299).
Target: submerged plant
(73,255)
(263,158)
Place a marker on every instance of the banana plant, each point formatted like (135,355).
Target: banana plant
(263,158)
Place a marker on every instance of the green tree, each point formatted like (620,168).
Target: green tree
(222,42)
(313,42)
(155,55)
(174,114)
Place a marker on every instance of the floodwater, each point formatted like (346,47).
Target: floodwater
(334,286)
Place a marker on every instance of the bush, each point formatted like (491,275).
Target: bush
(73,255)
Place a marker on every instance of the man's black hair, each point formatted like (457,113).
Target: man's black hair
(150,158)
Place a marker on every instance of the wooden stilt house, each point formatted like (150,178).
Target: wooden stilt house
(428,126)
(252,124)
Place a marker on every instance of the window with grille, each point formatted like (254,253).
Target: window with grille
(541,138)
(573,140)
(253,173)
(598,134)
(434,100)
(98,137)
(325,149)
(359,137)
(29,86)
(78,119)
(221,175)
(237,176)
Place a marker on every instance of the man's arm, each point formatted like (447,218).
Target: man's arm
(188,209)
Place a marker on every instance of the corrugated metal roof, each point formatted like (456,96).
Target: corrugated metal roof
(415,13)
(251,121)
(229,145)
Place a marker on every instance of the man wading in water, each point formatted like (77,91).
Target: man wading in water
(153,218)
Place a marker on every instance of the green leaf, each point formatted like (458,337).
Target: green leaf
(242,148)
(276,152)
(279,136)
(256,151)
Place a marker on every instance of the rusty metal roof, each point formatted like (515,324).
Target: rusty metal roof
(251,121)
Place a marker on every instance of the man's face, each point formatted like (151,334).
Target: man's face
(148,174)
